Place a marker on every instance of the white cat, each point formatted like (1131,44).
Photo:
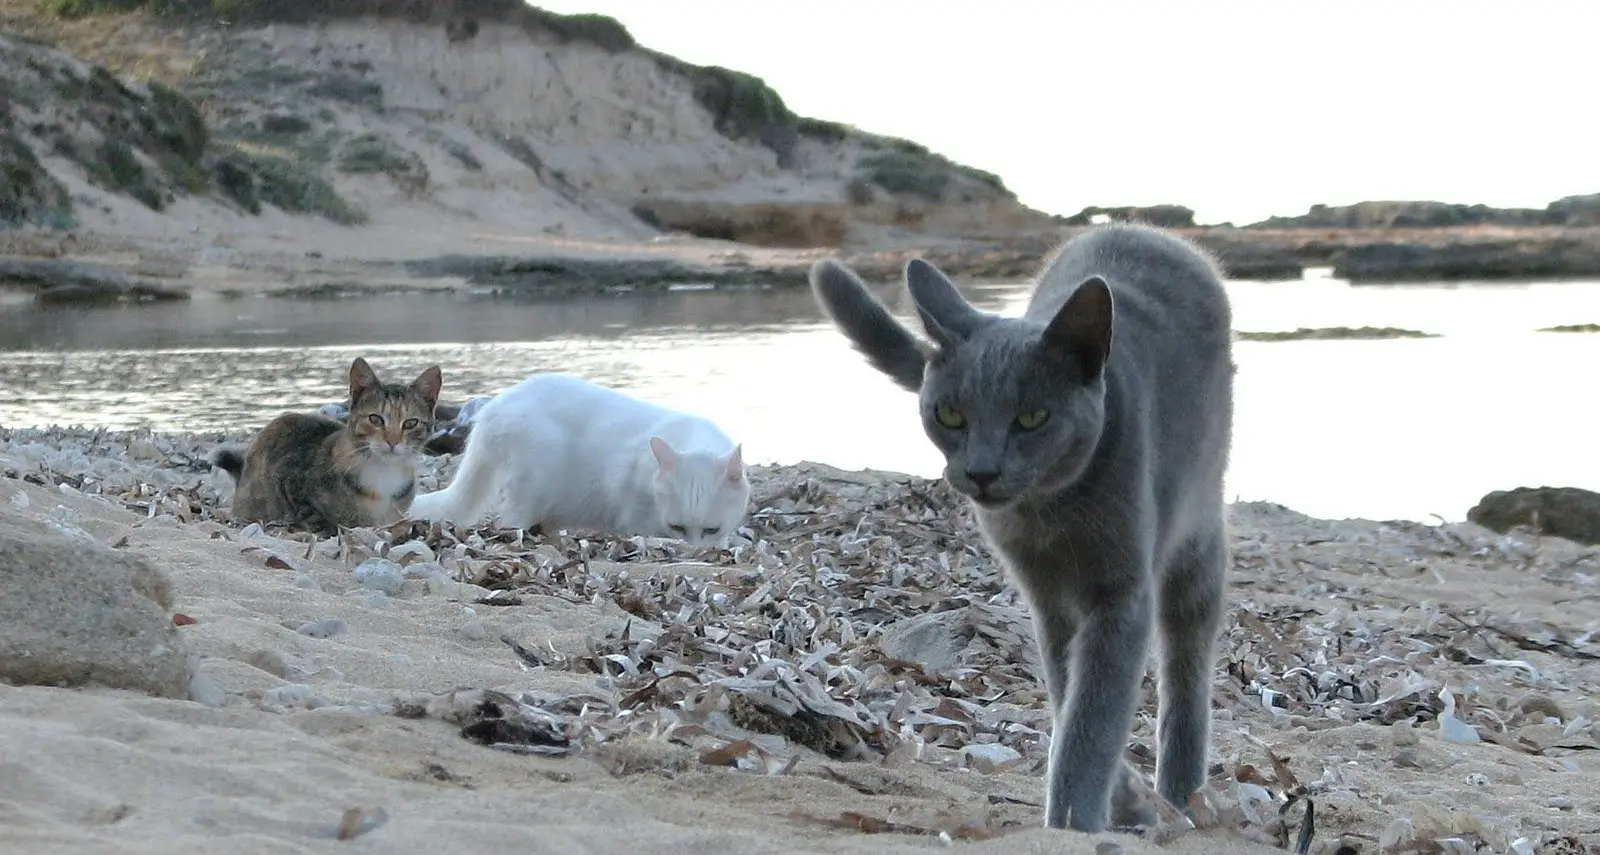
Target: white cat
(561,452)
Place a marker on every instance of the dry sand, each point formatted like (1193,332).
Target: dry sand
(1340,630)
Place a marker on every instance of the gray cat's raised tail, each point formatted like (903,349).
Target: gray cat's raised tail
(230,461)
(888,345)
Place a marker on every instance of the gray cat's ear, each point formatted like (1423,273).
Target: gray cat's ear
(1083,326)
(362,378)
(428,384)
(666,455)
(886,343)
(736,464)
(946,315)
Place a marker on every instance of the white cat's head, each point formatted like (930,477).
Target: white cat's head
(701,496)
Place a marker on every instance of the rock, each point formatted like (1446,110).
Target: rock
(415,550)
(934,639)
(1482,258)
(74,612)
(1576,211)
(1164,216)
(324,628)
(1394,215)
(1569,512)
(475,630)
(991,757)
(380,574)
(56,281)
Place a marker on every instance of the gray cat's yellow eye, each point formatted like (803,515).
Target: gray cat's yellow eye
(678,529)
(1032,420)
(375,419)
(710,532)
(949,416)
(409,424)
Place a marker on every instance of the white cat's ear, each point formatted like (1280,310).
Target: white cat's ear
(1083,326)
(665,454)
(736,463)
(362,378)
(428,384)
(946,315)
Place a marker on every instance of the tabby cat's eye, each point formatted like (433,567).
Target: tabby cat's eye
(1032,420)
(409,424)
(375,419)
(949,416)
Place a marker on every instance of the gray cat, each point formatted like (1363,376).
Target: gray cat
(1090,435)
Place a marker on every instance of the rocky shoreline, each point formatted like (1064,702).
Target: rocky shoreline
(1365,256)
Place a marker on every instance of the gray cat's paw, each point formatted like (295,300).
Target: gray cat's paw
(1133,802)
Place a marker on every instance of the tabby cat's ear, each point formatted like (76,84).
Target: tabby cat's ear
(665,454)
(362,379)
(1083,326)
(428,384)
(946,315)
(736,464)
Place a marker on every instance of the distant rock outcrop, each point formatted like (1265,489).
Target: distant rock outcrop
(1570,211)
(1569,512)
(1165,216)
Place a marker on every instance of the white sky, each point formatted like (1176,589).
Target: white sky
(1238,109)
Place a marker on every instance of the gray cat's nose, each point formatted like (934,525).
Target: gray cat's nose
(982,477)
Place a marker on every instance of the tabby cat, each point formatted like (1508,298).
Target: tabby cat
(317,473)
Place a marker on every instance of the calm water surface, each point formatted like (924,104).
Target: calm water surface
(1384,429)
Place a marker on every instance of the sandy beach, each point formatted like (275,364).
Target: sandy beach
(855,676)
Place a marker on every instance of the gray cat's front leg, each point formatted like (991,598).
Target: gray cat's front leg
(1091,728)
(1190,612)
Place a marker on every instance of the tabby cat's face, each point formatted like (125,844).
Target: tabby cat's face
(388,419)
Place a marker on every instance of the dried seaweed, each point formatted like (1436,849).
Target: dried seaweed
(860,617)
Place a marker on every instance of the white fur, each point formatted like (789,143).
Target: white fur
(388,474)
(564,453)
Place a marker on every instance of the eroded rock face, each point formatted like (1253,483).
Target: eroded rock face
(73,612)
(1569,512)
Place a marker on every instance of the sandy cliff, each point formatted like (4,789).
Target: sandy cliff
(449,119)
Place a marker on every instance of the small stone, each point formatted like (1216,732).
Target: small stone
(990,758)
(324,628)
(204,690)
(1106,847)
(271,661)
(380,574)
(375,600)
(475,630)
(307,581)
(293,695)
(424,570)
(1560,803)
(416,551)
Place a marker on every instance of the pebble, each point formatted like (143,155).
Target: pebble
(307,581)
(1560,803)
(206,691)
(380,574)
(990,758)
(271,661)
(375,600)
(476,630)
(324,628)
(415,550)
(425,570)
(293,695)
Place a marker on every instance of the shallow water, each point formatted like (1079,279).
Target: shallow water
(1379,429)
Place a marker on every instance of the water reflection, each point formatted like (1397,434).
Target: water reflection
(1388,429)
